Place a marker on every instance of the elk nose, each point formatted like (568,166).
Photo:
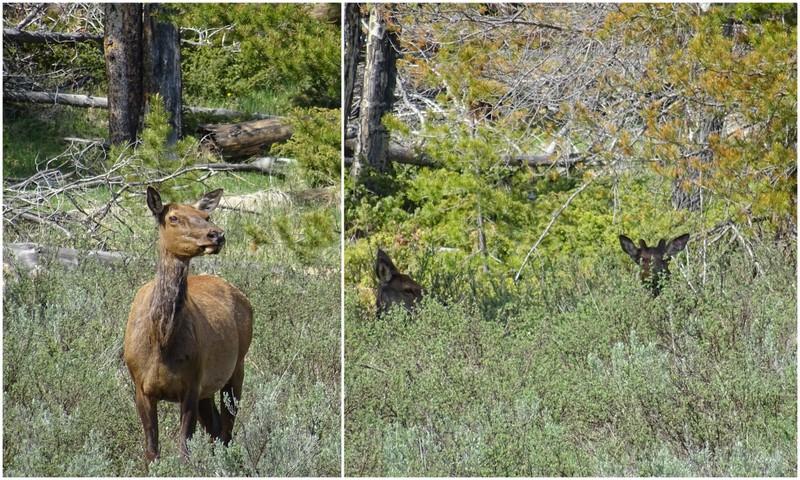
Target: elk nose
(217,236)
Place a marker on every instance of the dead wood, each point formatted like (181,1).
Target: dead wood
(23,36)
(88,101)
(245,139)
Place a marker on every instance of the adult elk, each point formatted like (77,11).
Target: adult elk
(653,261)
(187,335)
(395,288)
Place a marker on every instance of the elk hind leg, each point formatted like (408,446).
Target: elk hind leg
(229,402)
(209,417)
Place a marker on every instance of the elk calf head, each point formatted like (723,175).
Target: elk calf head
(395,287)
(653,261)
(185,230)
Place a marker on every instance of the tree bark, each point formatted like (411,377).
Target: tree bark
(377,98)
(162,66)
(352,48)
(123,56)
(245,139)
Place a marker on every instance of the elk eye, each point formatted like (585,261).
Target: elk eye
(173,219)
(409,291)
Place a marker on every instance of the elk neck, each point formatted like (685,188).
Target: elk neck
(169,294)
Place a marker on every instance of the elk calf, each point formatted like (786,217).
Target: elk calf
(395,287)
(653,261)
(187,335)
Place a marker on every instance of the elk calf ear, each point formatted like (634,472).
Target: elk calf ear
(677,244)
(384,268)
(209,201)
(629,248)
(154,202)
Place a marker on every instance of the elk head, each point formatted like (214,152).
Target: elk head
(653,261)
(184,230)
(395,287)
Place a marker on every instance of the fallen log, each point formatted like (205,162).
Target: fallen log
(30,256)
(88,101)
(24,36)
(397,153)
(85,101)
(408,156)
(265,165)
(245,139)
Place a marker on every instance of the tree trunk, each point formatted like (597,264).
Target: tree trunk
(352,48)
(377,96)
(162,66)
(123,55)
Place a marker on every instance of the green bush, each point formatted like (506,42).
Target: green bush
(271,51)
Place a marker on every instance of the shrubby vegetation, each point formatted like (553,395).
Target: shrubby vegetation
(588,377)
(68,400)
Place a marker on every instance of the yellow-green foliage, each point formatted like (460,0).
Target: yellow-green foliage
(746,176)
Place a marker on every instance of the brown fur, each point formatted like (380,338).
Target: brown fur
(653,261)
(187,335)
(395,288)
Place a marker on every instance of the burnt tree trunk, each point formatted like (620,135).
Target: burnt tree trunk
(380,74)
(162,66)
(352,47)
(123,57)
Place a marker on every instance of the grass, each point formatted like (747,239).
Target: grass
(590,377)
(35,133)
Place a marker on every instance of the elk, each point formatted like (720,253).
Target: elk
(187,335)
(395,288)
(653,261)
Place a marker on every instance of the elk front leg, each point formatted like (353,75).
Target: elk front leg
(146,407)
(188,421)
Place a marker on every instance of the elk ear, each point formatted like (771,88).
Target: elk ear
(629,248)
(209,201)
(154,202)
(384,268)
(662,245)
(677,244)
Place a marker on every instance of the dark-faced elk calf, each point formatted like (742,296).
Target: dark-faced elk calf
(396,288)
(187,335)
(653,261)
